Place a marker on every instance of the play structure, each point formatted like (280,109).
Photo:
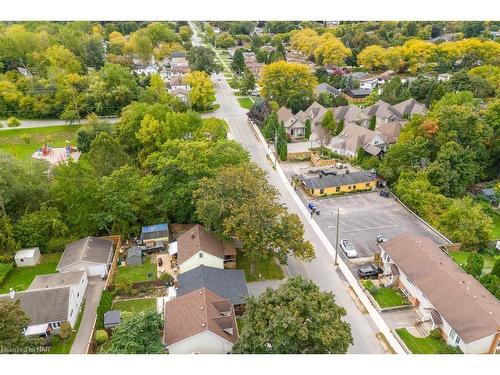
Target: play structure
(56,155)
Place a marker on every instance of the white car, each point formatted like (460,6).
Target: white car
(348,249)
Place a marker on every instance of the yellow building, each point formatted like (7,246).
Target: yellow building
(341,183)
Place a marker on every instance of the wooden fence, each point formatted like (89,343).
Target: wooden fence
(117,242)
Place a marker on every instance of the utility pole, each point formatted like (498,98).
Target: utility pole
(337,242)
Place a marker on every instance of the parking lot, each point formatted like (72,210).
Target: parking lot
(363,217)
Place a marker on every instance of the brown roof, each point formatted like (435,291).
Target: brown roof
(390,131)
(196,312)
(460,299)
(284,114)
(199,239)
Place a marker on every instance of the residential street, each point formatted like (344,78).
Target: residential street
(92,298)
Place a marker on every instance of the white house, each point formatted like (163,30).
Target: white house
(211,326)
(146,69)
(443,77)
(27,257)
(368,84)
(51,300)
(90,254)
(198,247)
(466,314)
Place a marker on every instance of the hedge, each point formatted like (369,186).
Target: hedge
(5,269)
(104,305)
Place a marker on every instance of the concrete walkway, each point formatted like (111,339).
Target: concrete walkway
(256,288)
(92,298)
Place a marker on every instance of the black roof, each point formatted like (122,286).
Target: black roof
(111,317)
(338,180)
(358,93)
(230,284)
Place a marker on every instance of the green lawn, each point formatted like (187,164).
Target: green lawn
(460,258)
(20,278)
(245,102)
(12,143)
(135,306)
(427,345)
(268,270)
(386,297)
(64,347)
(496,226)
(137,273)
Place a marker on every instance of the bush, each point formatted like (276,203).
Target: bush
(474,266)
(65,331)
(496,268)
(13,122)
(58,244)
(123,286)
(124,315)
(168,278)
(104,305)
(370,287)
(8,258)
(26,138)
(101,337)
(5,269)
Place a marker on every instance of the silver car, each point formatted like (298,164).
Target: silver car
(348,249)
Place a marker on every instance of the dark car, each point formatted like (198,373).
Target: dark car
(384,193)
(370,271)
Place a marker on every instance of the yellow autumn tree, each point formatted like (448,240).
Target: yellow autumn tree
(394,59)
(372,57)
(418,54)
(202,93)
(331,50)
(305,41)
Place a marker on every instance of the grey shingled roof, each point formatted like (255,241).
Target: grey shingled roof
(338,180)
(230,284)
(88,249)
(55,280)
(43,305)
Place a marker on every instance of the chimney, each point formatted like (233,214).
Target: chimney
(193,235)
(12,293)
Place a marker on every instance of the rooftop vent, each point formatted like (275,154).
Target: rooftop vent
(203,324)
(203,308)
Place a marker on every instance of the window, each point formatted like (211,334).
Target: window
(453,335)
(200,255)
(71,313)
(83,280)
(322,191)
(337,189)
(349,187)
(22,260)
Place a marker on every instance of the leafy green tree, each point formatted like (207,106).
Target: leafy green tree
(270,126)
(474,265)
(373,123)
(281,142)
(496,268)
(297,318)
(307,133)
(203,59)
(138,334)
(395,91)
(238,63)
(247,82)
(37,228)
(94,52)
(86,134)
(340,127)
(492,283)
(106,154)
(8,244)
(13,122)
(13,322)
(329,123)
(185,33)
(213,129)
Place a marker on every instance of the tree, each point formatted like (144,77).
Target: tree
(94,52)
(496,268)
(35,229)
(331,50)
(106,154)
(259,112)
(373,122)
(340,127)
(307,133)
(323,135)
(472,28)
(238,202)
(329,123)
(289,84)
(202,93)
(142,45)
(395,91)
(474,265)
(281,142)
(203,59)
(238,63)
(464,221)
(372,57)
(185,33)
(65,331)
(271,125)
(13,122)
(297,318)
(225,40)
(247,82)
(13,322)
(138,334)
(8,243)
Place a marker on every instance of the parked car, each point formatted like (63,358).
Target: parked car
(370,271)
(384,193)
(381,238)
(348,249)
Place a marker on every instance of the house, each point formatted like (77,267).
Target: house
(443,77)
(356,95)
(410,108)
(340,183)
(181,93)
(326,88)
(90,254)
(466,314)
(51,300)
(179,70)
(27,257)
(316,112)
(156,233)
(229,284)
(368,83)
(199,322)
(293,126)
(111,319)
(177,83)
(145,69)
(383,112)
(198,247)
(354,136)
(179,60)
(135,256)
(390,131)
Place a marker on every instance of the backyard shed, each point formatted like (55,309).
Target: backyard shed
(111,319)
(135,256)
(158,232)
(27,257)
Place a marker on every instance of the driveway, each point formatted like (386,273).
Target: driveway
(401,318)
(256,288)
(92,298)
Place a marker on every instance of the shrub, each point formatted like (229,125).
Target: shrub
(65,331)
(123,286)
(5,269)
(496,268)
(104,305)
(124,315)
(58,244)
(168,278)
(101,337)
(474,266)
(13,122)
(8,258)
(26,138)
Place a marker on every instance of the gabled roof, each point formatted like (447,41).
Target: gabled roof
(390,131)
(196,312)
(354,136)
(43,305)
(410,107)
(88,249)
(227,283)
(199,239)
(55,280)
(325,87)
(301,116)
(284,114)
(26,253)
(471,310)
(349,113)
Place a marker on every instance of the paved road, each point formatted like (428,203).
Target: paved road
(92,298)
(47,122)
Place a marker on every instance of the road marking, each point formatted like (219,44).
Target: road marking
(373,228)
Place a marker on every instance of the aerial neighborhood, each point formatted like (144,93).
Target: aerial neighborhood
(250,187)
